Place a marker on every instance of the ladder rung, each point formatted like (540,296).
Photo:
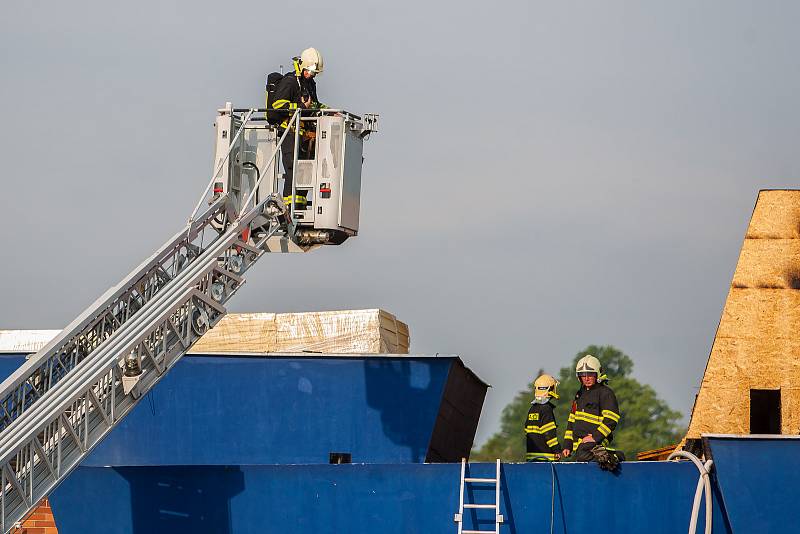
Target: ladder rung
(486,480)
(478,531)
(480,506)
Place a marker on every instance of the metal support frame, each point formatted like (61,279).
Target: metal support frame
(70,395)
(271,160)
(294,164)
(221,163)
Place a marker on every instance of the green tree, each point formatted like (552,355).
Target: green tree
(647,422)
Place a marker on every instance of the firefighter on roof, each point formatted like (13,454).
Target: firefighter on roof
(540,426)
(594,414)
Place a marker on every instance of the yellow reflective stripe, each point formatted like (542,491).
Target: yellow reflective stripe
(587,420)
(278,104)
(285,126)
(536,429)
(553,442)
(571,418)
(588,417)
(611,415)
(604,429)
(575,445)
(568,434)
(540,456)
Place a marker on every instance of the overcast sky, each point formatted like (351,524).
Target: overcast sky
(548,175)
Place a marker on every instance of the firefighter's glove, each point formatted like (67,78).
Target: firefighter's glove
(310,135)
(606,459)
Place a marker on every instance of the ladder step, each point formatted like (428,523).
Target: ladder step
(486,480)
(480,506)
(478,531)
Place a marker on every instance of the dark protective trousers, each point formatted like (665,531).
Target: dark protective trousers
(287,154)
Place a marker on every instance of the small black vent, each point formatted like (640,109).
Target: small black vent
(340,458)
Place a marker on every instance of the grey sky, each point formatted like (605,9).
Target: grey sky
(547,175)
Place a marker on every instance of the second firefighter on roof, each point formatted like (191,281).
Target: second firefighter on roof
(540,426)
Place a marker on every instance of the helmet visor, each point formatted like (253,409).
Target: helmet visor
(545,392)
(586,373)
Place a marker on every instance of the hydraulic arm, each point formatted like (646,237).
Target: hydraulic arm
(67,397)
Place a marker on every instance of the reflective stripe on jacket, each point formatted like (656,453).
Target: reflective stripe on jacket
(540,431)
(595,412)
(288,97)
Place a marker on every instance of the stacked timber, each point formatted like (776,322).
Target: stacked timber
(372,331)
(25,341)
(757,345)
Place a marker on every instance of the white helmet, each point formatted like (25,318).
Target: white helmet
(311,60)
(588,364)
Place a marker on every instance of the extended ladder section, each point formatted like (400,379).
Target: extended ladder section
(466,483)
(67,397)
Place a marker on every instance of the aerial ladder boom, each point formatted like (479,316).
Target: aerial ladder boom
(67,397)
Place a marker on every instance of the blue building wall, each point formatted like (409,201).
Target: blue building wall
(280,410)
(646,497)
(755,478)
(195,457)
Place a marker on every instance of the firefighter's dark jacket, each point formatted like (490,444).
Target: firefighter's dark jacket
(288,95)
(595,411)
(540,432)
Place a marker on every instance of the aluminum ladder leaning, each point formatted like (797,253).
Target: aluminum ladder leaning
(459,517)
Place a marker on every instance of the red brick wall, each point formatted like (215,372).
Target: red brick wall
(39,522)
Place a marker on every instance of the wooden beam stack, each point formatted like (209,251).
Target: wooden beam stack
(372,331)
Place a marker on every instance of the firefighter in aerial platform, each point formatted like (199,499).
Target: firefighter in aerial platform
(285,95)
(593,418)
(540,426)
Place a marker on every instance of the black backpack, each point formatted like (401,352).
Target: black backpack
(273,117)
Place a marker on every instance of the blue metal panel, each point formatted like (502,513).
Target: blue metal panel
(757,477)
(9,363)
(652,497)
(256,410)
(261,410)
